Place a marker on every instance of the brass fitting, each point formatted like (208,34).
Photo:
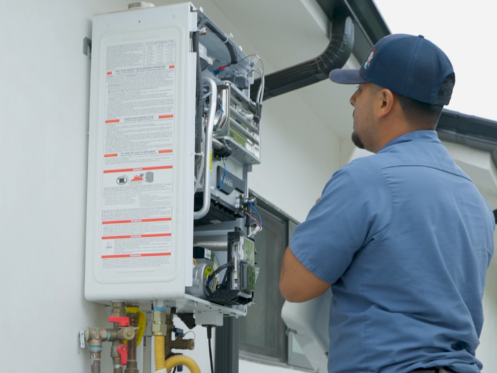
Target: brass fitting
(118,309)
(95,336)
(159,327)
(183,344)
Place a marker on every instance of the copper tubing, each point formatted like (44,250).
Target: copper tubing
(132,366)
(116,358)
(95,361)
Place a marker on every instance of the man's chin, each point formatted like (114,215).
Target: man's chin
(357,141)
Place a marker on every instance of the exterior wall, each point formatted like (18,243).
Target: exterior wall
(43,152)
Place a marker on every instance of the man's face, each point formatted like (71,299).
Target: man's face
(362,101)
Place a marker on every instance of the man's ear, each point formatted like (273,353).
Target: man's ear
(385,102)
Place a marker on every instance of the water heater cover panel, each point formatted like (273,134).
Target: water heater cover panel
(140,179)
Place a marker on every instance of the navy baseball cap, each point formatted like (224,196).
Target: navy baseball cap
(408,65)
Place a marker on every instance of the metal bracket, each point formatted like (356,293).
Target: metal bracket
(87,47)
(82,338)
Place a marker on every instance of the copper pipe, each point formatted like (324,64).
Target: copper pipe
(116,358)
(118,309)
(132,366)
(95,360)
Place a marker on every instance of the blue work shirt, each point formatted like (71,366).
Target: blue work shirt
(405,238)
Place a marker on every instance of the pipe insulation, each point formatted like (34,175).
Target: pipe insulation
(315,70)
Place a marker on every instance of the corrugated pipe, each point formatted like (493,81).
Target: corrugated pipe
(309,72)
(162,365)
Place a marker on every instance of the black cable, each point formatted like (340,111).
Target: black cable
(209,339)
(213,274)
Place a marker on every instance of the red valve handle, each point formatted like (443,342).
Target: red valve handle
(123,351)
(123,321)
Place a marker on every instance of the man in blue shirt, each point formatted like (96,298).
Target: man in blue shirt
(403,237)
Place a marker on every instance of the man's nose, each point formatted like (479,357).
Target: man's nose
(352,99)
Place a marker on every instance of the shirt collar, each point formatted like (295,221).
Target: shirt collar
(423,135)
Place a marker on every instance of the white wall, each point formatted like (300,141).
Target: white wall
(43,151)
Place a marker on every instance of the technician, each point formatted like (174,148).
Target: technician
(403,237)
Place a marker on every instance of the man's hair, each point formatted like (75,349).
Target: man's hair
(423,115)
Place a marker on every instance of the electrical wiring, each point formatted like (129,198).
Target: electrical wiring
(259,223)
(214,274)
(254,219)
(224,175)
(190,331)
(257,212)
(260,92)
(209,337)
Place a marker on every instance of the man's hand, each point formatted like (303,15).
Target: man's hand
(297,283)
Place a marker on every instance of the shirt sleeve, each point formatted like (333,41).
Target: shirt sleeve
(355,208)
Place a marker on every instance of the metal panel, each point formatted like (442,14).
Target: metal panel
(133,251)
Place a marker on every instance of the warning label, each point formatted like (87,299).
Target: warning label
(139,110)
(138,155)
(139,202)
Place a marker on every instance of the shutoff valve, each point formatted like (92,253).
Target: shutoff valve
(122,320)
(122,350)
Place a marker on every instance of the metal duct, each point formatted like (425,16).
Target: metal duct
(309,72)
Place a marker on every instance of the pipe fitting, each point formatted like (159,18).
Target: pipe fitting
(159,326)
(118,309)
(183,344)
(95,336)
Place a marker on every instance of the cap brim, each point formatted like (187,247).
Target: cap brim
(347,76)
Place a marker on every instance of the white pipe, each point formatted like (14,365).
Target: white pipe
(206,205)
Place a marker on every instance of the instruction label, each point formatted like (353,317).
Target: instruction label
(138,155)
(139,115)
